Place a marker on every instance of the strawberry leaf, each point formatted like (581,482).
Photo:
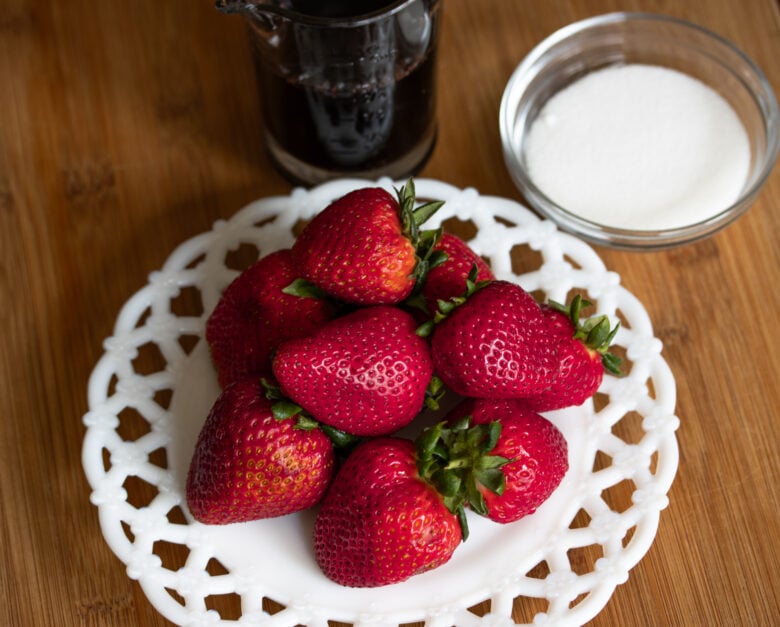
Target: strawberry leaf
(475,499)
(423,241)
(454,459)
(612,363)
(303,289)
(460,512)
(610,338)
(492,478)
(447,483)
(436,258)
(594,332)
(272,392)
(417,301)
(282,410)
(406,204)
(461,425)
(341,439)
(425,329)
(434,393)
(422,213)
(427,258)
(597,332)
(426,443)
(304,422)
(476,436)
(445,307)
(493,433)
(492,461)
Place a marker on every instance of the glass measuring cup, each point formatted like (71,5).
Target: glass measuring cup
(347,87)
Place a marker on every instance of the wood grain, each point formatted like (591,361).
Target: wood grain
(126,128)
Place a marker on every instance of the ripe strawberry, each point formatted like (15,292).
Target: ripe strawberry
(536,450)
(249,465)
(254,314)
(397,508)
(582,352)
(494,345)
(448,279)
(366,248)
(380,522)
(365,373)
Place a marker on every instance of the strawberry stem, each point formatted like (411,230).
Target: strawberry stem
(596,333)
(283,408)
(412,218)
(455,460)
(445,307)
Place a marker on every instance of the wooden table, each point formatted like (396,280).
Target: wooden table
(126,128)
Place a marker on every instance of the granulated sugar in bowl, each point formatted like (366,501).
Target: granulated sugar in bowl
(639,131)
(639,147)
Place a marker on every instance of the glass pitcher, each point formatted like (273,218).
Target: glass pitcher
(347,87)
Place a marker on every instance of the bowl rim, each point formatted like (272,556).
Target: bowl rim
(626,238)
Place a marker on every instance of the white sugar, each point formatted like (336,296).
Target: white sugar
(639,147)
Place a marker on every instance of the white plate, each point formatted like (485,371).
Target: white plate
(151,391)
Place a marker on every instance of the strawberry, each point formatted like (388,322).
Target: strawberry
(448,279)
(366,248)
(365,373)
(494,344)
(537,452)
(582,353)
(380,522)
(254,315)
(249,465)
(396,508)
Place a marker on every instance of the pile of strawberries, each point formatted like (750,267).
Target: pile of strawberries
(326,350)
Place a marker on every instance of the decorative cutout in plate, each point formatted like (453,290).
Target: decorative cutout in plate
(151,391)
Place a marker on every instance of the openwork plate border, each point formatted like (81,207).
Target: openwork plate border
(607,512)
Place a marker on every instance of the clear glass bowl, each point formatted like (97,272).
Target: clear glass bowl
(623,38)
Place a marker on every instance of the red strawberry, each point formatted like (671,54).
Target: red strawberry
(583,356)
(366,247)
(380,522)
(365,373)
(494,345)
(249,465)
(537,451)
(448,279)
(254,315)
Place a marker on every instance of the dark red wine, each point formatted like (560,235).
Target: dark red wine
(368,126)
(352,97)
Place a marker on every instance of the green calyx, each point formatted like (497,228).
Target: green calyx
(283,408)
(303,289)
(434,393)
(445,307)
(424,240)
(596,333)
(455,459)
